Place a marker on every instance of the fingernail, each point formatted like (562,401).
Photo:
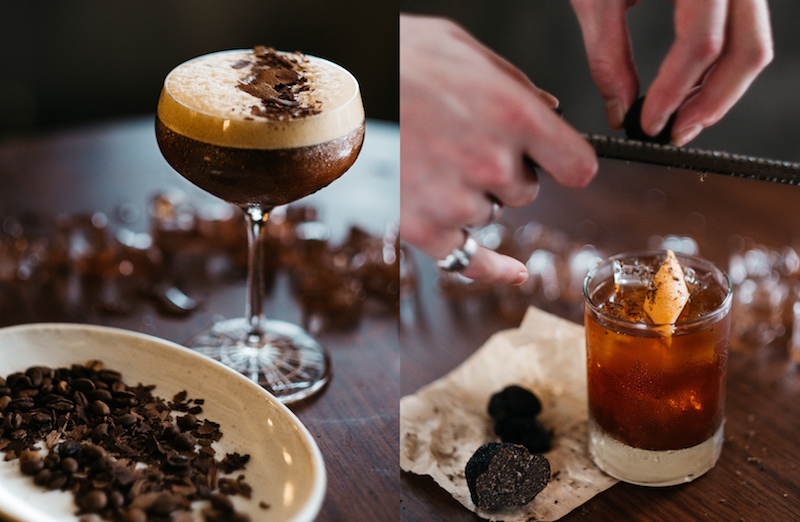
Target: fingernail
(687,135)
(521,278)
(615,111)
(657,125)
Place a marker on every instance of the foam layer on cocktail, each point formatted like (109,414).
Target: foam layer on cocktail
(204,99)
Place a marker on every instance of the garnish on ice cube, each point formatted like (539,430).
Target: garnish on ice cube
(669,294)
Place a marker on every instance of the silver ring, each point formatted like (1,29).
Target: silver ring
(494,214)
(458,260)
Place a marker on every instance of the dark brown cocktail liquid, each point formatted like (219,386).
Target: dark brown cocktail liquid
(262,177)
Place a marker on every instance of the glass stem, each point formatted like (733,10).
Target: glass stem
(256,228)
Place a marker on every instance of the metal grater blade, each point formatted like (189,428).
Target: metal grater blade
(700,160)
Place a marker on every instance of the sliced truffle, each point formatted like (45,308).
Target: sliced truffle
(514,401)
(526,431)
(633,126)
(502,475)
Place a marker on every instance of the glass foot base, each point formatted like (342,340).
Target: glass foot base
(283,358)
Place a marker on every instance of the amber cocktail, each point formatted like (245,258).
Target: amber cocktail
(656,391)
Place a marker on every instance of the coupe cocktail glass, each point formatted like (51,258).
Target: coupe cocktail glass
(261,128)
(656,392)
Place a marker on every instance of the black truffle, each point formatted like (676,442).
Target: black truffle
(526,431)
(502,475)
(514,401)
(633,125)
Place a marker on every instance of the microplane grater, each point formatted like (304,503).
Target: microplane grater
(699,160)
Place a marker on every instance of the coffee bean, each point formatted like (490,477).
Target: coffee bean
(83,385)
(28,455)
(13,421)
(115,499)
(109,376)
(18,381)
(93,452)
(127,420)
(35,376)
(69,465)
(184,441)
(4,401)
(42,477)
(100,408)
(134,515)
(41,421)
(69,448)
(99,432)
(5,390)
(221,502)
(57,480)
(93,501)
(170,432)
(187,422)
(31,467)
(163,505)
(52,460)
(101,395)
(21,403)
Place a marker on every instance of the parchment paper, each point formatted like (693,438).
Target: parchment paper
(443,423)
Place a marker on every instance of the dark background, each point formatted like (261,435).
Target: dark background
(68,63)
(542,37)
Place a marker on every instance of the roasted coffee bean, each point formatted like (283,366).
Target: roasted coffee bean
(31,463)
(52,460)
(100,408)
(69,448)
(178,462)
(5,390)
(101,395)
(13,421)
(80,398)
(164,504)
(62,406)
(69,465)
(93,501)
(123,399)
(62,386)
(184,441)
(170,432)
(42,477)
(127,420)
(118,387)
(19,434)
(83,385)
(94,365)
(93,452)
(46,388)
(35,376)
(21,403)
(134,515)
(41,421)
(4,402)
(100,464)
(115,499)
(18,381)
(221,502)
(57,480)
(99,432)
(32,392)
(187,422)
(109,376)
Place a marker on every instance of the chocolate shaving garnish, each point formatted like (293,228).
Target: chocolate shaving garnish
(277,79)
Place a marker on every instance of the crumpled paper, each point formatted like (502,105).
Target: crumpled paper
(444,422)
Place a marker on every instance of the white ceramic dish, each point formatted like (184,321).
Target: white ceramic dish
(286,469)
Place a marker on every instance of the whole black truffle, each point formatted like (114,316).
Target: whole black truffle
(526,431)
(502,475)
(514,401)
(633,125)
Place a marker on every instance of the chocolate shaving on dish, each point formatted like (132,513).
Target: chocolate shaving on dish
(118,449)
(277,79)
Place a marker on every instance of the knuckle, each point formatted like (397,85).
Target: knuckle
(761,54)
(709,47)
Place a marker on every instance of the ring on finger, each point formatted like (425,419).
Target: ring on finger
(458,259)
(494,213)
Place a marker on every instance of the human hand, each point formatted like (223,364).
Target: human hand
(468,120)
(720,47)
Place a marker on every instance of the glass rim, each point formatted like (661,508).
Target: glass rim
(689,324)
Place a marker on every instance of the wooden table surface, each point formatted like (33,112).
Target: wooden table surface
(758,474)
(117,166)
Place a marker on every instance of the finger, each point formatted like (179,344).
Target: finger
(558,148)
(610,55)
(490,267)
(699,40)
(745,56)
(517,187)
